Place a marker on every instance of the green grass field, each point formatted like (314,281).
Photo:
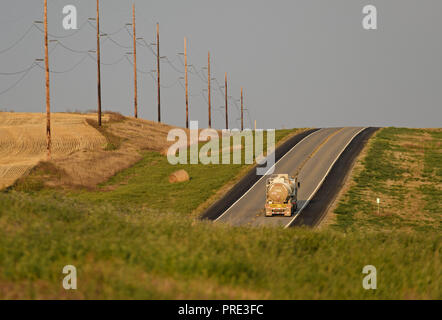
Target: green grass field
(403,167)
(141,254)
(128,240)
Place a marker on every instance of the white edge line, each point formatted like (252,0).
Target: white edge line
(267,172)
(325,176)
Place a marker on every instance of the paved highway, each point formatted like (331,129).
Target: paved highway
(311,159)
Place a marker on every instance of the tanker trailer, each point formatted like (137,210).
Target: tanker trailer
(281,195)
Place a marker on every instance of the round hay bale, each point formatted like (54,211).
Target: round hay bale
(179,176)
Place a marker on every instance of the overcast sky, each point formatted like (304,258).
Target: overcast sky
(302,63)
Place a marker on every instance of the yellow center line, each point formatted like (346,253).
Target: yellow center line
(316,150)
(305,161)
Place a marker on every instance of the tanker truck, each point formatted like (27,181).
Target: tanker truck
(281,195)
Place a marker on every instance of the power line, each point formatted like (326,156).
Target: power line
(172,66)
(220,88)
(175,64)
(117,43)
(65,36)
(139,70)
(148,46)
(235,103)
(171,85)
(53,48)
(70,49)
(153,77)
(110,63)
(173,61)
(16,72)
(127,30)
(19,40)
(181,60)
(108,33)
(19,80)
(197,73)
(58,42)
(144,43)
(67,70)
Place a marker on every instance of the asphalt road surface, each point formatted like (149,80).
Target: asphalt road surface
(311,160)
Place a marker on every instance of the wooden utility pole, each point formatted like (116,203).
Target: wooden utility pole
(242,112)
(48,98)
(135,62)
(98,63)
(227,103)
(158,72)
(208,91)
(187,83)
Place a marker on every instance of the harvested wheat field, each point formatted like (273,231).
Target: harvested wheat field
(23,141)
(82,154)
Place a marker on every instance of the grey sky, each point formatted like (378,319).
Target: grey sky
(302,63)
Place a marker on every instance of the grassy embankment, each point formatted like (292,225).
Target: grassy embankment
(402,167)
(124,247)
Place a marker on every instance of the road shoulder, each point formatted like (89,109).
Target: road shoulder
(319,206)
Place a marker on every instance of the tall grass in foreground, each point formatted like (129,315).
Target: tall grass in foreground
(140,254)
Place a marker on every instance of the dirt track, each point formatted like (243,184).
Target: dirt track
(23,141)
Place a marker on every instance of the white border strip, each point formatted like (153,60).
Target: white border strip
(322,181)
(267,172)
